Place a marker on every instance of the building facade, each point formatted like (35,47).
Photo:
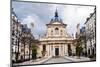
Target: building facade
(91,34)
(21,40)
(57,41)
(15,37)
(26,46)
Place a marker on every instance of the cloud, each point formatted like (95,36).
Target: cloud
(40,14)
(72,15)
(38,28)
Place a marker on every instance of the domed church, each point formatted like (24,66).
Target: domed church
(57,42)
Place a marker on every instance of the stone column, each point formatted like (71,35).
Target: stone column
(60,50)
(66,49)
(53,50)
(59,47)
(73,48)
(47,50)
(63,49)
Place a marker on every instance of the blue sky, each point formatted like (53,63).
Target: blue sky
(40,14)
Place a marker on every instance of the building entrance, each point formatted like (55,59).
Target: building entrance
(56,51)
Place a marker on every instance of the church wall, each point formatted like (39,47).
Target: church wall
(73,49)
(66,49)
(39,53)
(50,49)
(52,28)
(47,50)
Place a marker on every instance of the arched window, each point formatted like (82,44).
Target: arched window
(56,31)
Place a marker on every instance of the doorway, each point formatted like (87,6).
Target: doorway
(69,50)
(56,51)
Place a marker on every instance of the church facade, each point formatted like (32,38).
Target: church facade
(57,41)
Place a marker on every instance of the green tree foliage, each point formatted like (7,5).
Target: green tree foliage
(34,51)
(79,48)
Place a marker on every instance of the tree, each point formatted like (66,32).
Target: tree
(69,50)
(79,48)
(23,40)
(34,51)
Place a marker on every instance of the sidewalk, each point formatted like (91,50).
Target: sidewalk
(37,61)
(76,59)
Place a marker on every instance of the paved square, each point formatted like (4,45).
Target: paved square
(57,60)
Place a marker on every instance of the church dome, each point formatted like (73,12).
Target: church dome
(56,18)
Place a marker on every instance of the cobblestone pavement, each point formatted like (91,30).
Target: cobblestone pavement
(37,61)
(54,60)
(57,60)
(76,59)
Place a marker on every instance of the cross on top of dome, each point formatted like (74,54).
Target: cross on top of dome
(56,13)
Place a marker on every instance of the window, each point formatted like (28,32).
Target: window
(61,32)
(12,50)
(27,52)
(22,50)
(56,31)
(44,47)
(13,32)
(51,32)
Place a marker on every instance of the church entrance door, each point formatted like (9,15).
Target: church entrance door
(56,51)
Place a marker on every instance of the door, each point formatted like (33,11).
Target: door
(69,50)
(56,51)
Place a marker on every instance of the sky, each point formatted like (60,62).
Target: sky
(40,14)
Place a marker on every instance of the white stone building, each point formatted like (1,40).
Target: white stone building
(15,37)
(57,41)
(91,34)
(21,38)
